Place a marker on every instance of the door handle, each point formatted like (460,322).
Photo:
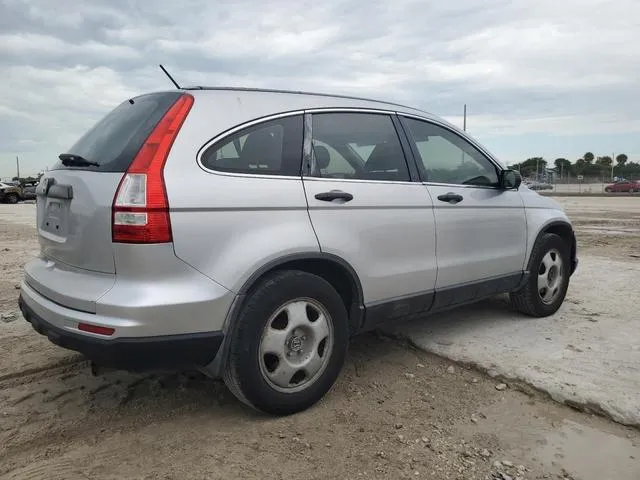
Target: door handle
(334,195)
(451,198)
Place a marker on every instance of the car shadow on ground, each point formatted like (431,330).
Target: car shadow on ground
(72,400)
(109,390)
(73,389)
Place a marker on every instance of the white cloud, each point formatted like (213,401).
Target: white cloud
(564,125)
(52,47)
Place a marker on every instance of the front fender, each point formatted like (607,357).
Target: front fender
(541,221)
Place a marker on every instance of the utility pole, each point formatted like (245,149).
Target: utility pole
(464,121)
(613,162)
(464,128)
(18,166)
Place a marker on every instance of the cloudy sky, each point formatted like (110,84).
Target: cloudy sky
(541,77)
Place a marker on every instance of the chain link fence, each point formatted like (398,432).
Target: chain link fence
(571,183)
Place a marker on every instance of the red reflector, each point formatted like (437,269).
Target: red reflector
(85,327)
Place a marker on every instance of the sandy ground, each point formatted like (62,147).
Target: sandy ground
(587,354)
(606,226)
(396,411)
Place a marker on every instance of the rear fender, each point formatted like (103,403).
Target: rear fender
(356,310)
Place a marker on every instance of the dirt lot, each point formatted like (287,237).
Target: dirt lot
(606,226)
(396,412)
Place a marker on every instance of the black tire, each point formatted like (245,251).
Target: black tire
(528,300)
(242,372)
(607,190)
(631,190)
(12,198)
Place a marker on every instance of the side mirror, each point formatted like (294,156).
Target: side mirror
(510,179)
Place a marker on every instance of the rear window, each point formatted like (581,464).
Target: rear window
(114,141)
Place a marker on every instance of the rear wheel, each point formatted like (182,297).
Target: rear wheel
(288,344)
(549,278)
(12,198)
(631,190)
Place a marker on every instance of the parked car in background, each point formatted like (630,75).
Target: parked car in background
(308,218)
(630,186)
(535,185)
(29,191)
(10,193)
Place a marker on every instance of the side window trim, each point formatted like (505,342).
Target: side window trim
(409,155)
(416,154)
(242,126)
(309,162)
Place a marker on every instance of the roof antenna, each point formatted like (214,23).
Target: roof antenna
(170,77)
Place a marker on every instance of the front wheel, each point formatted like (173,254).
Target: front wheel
(547,286)
(288,344)
(12,198)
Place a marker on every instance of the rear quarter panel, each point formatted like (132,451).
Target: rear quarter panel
(227,226)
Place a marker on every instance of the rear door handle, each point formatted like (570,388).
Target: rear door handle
(451,198)
(334,195)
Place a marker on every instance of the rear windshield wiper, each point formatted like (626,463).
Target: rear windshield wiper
(71,160)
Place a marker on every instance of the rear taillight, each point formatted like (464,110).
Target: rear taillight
(140,207)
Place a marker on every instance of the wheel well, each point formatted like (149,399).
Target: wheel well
(339,275)
(564,231)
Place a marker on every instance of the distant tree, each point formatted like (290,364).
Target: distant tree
(564,168)
(605,161)
(530,165)
(621,159)
(588,158)
(15,179)
(580,166)
(562,164)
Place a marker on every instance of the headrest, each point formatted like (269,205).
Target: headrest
(322,156)
(263,147)
(385,156)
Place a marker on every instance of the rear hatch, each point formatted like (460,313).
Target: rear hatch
(74,214)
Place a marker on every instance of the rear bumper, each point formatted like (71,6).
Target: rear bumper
(133,354)
(155,294)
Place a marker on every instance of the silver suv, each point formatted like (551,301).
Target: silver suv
(249,233)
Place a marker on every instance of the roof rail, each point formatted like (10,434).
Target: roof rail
(299,92)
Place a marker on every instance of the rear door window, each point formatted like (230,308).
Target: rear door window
(363,146)
(114,141)
(273,147)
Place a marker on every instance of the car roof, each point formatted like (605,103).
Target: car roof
(320,100)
